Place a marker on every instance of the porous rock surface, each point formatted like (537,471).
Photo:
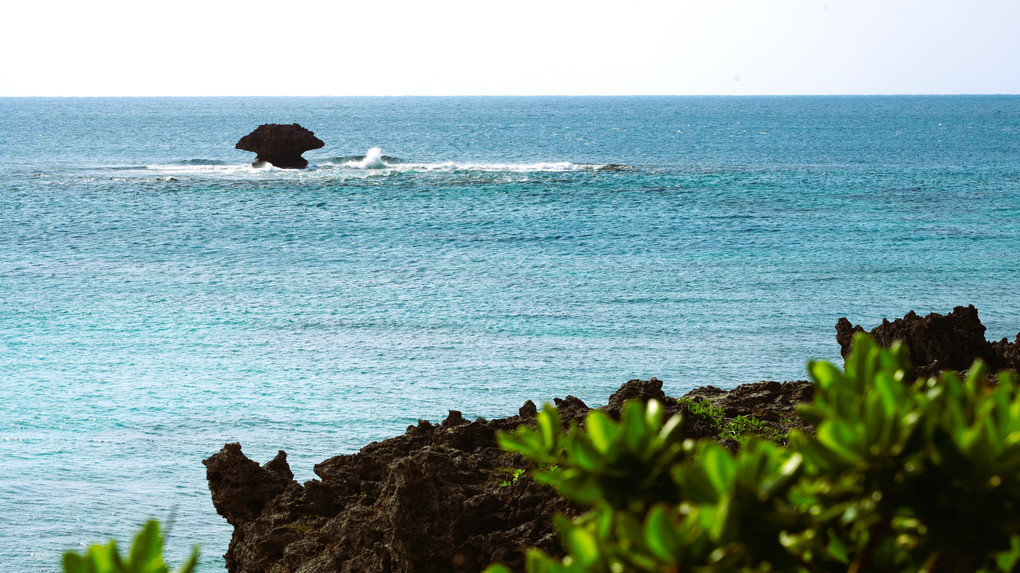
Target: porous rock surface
(440,497)
(939,342)
(280,145)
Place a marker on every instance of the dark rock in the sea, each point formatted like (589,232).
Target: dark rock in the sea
(280,145)
(938,342)
(437,498)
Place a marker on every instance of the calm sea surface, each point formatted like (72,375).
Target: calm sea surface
(160,297)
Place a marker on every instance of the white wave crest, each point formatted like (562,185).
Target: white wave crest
(373,163)
(372,160)
(207,169)
(545,166)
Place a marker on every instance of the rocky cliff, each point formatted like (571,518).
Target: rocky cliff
(443,497)
(440,497)
(939,342)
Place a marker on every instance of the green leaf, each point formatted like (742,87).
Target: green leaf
(147,549)
(773,482)
(574,484)
(838,549)
(635,432)
(660,533)
(104,557)
(191,564)
(523,440)
(719,467)
(672,430)
(824,374)
(653,414)
(581,544)
(536,561)
(841,440)
(549,425)
(582,452)
(602,430)
(75,563)
(721,527)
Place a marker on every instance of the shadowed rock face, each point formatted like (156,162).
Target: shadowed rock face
(441,497)
(280,145)
(939,342)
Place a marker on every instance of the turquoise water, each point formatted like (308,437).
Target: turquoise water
(160,297)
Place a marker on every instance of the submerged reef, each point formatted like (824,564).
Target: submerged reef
(445,497)
(280,145)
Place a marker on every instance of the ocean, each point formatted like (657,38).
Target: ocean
(160,297)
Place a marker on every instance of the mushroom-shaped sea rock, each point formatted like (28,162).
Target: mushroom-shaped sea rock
(280,145)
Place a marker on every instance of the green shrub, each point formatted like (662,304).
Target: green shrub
(146,556)
(740,427)
(703,411)
(899,476)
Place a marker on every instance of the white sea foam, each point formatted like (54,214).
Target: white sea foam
(372,160)
(198,169)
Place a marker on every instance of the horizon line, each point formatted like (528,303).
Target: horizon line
(550,95)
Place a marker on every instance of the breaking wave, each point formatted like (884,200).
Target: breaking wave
(374,159)
(373,162)
(203,162)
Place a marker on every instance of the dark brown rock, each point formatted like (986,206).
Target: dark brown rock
(938,342)
(241,488)
(1009,351)
(437,498)
(528,411)
(764,400)
(455,418)
(429,500)
(280,145)
(643,390)
(774,403)
(571,409)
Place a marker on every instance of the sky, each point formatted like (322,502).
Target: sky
(526,47)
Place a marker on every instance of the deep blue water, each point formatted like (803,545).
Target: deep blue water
(160,297)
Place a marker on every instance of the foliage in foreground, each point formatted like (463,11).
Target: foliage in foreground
(146,556)
(899,476)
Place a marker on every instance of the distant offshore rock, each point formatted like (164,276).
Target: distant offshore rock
(280,145)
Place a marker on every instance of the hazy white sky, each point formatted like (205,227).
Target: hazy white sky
(527,47)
